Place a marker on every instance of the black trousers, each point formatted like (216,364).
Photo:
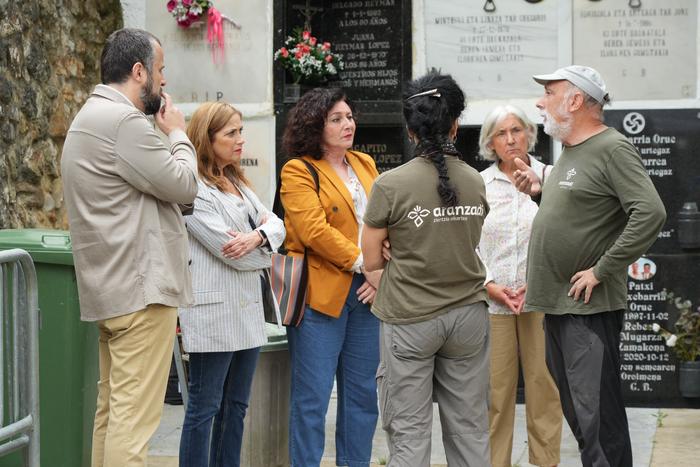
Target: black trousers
(583,356)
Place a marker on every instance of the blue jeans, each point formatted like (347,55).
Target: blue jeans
(219,387)
(348,348)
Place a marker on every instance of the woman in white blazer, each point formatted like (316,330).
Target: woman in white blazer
(231,235)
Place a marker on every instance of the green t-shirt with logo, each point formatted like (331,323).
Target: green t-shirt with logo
(434,267)
(599,209)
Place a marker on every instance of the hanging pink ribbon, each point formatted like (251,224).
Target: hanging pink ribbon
(215,34)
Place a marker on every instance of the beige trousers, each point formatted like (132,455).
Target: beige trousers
(135,355)
(522,335)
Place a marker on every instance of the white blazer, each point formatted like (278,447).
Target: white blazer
(227,314)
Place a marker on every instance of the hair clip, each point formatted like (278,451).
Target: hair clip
(431,93)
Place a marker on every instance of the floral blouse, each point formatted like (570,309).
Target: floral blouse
(506,231)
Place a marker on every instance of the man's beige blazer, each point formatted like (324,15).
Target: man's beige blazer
(122,187)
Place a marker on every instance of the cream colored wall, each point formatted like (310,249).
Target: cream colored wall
(244,79)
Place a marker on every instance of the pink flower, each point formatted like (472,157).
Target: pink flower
(305,35)
(326,46)
(298,55)
(312,41)
(185,22)
(171,5)
(187,2)
(329,58)
(193,16)
(284,52)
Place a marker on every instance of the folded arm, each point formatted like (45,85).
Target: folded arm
(210,229)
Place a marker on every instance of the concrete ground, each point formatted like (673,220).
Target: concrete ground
(660,438)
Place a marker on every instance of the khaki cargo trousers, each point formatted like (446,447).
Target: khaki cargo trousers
(447,355)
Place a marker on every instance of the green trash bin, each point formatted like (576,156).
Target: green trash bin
(68,358)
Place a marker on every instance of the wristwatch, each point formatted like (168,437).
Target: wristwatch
(263,235)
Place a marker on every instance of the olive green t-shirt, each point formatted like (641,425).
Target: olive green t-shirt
(434,267)
(599,209)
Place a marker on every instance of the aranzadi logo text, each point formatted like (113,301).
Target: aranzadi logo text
(445,214)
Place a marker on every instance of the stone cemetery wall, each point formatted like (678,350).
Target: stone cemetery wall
(49,62)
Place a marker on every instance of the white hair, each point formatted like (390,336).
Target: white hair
(496,116)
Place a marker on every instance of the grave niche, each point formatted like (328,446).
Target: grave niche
(387,144)
(374,38)
(491,48)
(649,371)
(668,141)
(644,52)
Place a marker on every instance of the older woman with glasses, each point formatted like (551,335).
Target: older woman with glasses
(517,337)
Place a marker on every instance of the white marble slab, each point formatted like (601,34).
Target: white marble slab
(492,54)
(648,52)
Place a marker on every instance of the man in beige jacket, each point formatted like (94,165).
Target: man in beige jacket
(122,187)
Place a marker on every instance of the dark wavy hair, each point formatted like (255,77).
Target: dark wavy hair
(430,118)
(303,133)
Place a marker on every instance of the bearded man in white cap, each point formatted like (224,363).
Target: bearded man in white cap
(599,212)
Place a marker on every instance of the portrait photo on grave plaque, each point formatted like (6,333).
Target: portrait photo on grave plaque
(649,365)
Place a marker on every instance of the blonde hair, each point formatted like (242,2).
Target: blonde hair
(496,116)
(209,118)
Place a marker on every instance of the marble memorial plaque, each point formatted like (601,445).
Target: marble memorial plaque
(370,36)
(649,370)
(648,52)
(243,76)
(257,160)
(384,144)
(668,141)
(492,54)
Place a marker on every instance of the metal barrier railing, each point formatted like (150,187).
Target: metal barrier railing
(178,353)
(19,354)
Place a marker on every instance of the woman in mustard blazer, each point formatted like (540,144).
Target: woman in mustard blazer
(339,336)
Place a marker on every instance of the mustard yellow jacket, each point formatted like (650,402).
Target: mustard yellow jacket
(325,224)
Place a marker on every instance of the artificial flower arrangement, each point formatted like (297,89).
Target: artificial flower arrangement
(309,60)
(188,12)
(684,342)
(191,12)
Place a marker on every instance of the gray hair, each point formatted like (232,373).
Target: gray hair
(496,116)
(588,101)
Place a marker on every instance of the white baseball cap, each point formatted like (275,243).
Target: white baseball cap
(585,78)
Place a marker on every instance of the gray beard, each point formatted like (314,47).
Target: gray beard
(558,131)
